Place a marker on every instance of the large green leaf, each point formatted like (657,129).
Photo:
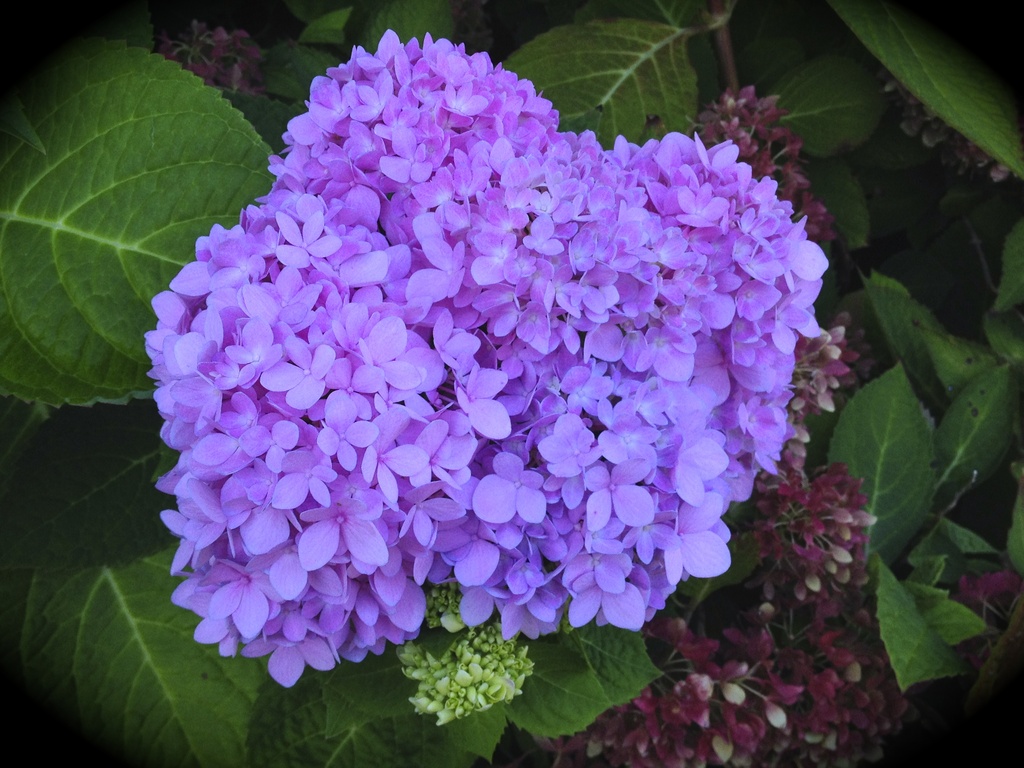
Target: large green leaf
(104,509)
(305,727)
(917,651)
(107,650)
(975,433)
(409,19)
(949,80)
(562,696)
(902,319)
(635,73)
(619,660)
(883,437)
(833,104)
(141,158)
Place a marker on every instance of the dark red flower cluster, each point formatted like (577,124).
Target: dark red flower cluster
(993,596)
(802,679)
(771,149)
(227,60)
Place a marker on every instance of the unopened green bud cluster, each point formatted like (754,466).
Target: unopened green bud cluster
(443,607)
(478,670)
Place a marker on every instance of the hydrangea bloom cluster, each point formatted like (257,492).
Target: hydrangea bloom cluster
(800,679)
(228,60)
(754,124)
(453,345)
(994,596)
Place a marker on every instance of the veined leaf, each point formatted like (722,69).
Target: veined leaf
(409,19)
(916,650)
(954,622)
(298,727)
(141,158)
(106,648)
(975,433)
(956,361)
(833,103)
(949,80)
(884,437)
(902,318)
(633,71)
(562,696)
(619,659)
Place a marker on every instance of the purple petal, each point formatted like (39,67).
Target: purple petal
(318,544)
(365,542)
(704,554)
(494,500)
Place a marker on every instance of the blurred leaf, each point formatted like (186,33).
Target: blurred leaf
(678,13)
(409,19)
(311,10)
(289,68)
(1005,332)
(762,62)
(974,433)
(107,649)
(629,69)
(960,549)
(129,22)
(902,319)
(883,437)
(916,650)
(891,147)
(562,696)
(328,29)
(898,198)
(956,361)
(1004,665)
(949,80)
(145,137)
(19,422)
(268,116)
(103,510)
(928,569)
(833,104)
(1015,538)
(1011,286)
(834,184)
(954,622)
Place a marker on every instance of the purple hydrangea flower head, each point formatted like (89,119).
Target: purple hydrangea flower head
(453,345)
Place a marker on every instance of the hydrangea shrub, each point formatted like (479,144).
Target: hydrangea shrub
(453,345)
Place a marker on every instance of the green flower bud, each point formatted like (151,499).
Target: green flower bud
(480,669)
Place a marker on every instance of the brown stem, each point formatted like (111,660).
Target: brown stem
(723,43)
